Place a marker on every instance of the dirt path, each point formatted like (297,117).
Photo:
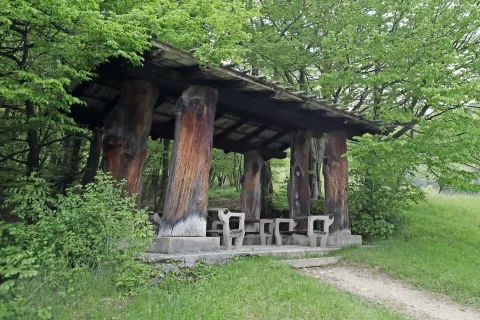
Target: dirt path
(380,288)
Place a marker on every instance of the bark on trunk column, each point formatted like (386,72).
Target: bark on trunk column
(335,171)
(126,131)
(317,153)
(185,209)
(298,186)
(251,194)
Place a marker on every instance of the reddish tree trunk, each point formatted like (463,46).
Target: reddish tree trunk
(298,186)
(251,194)
(335,171)
(185,207)
(126,132)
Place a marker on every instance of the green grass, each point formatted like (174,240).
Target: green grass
(254,288)
(229,197)
(439,249)
(224,198)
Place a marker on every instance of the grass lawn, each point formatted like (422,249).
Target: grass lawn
(439,250)
(254,288)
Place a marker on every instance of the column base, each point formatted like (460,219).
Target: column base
(184,245)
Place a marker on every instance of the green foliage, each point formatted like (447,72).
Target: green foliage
(226,169)
(48,47)
(380,185)
(317,206)
(133,276)
(412,65)
(91,226)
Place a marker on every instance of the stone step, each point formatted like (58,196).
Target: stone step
(312,262)
(223,256)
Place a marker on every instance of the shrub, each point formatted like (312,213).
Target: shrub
(91,226)
(381,186)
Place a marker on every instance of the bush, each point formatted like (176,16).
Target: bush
(91,226)
(381,186)
(317,206)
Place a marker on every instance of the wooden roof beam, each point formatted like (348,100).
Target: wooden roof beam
(274,138)
(222,135)
(245,140)
(287,117)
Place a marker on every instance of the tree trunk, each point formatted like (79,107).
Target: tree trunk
(250,196)
(72,160)
(298,186)
(267,190)
(317,152)
(335,171)
(93,156)
(126,132)
(185,210)
(164,178)
(33,140)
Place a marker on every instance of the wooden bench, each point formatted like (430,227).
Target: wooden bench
(231,237)
(311,231)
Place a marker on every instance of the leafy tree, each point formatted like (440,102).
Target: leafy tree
(411,64)
(47,47)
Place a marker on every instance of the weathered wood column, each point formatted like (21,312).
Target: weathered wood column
(126,131)
(298,186)
(335,171)
(250,196)
(185,209)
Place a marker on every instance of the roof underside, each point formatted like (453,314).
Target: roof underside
(252,113)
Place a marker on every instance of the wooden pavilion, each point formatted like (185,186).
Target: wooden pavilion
(171,96)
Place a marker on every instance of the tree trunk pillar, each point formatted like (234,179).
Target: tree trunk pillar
(298,186)
(317,151)
(126,132)
(251,193)
(335,171)
(185,209)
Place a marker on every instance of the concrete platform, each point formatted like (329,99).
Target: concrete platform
(344,240)
(312,262)
(334,240)
(223,256)
(180,245)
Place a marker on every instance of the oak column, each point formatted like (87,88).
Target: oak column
(335,171)
(251,194)
(126,132)
(185,208)
(298,186)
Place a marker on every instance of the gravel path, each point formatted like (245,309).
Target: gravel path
(402,297)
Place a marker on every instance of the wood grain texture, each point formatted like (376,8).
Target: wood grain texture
(126,131)
(185,207)
(298,186)
(335,171)
(317,153)
(251,193)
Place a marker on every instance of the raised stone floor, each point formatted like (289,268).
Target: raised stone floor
(223,256)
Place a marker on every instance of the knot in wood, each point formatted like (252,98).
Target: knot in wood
(198,107)
(298,172)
